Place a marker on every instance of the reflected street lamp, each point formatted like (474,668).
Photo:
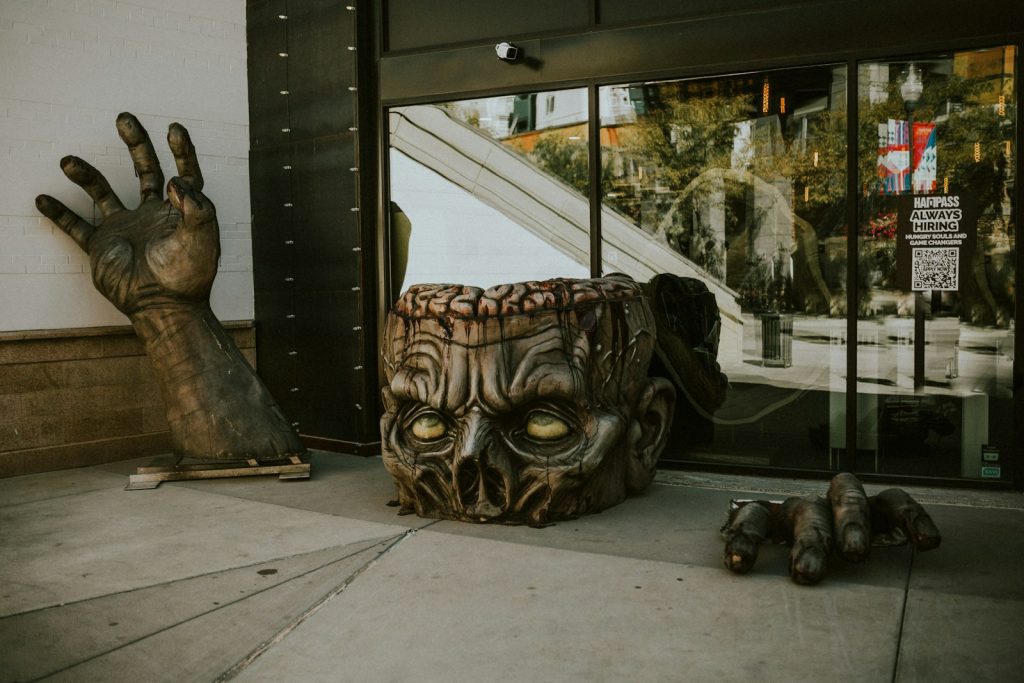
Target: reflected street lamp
(911,90)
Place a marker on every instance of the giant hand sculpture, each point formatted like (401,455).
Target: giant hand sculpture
(156,263)
(846,519)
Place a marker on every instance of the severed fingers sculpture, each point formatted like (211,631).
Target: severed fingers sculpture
(846,519)
(524,403)
(156,263)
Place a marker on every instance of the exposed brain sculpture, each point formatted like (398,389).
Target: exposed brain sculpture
(526,402)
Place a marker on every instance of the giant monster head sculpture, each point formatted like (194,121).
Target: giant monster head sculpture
(526,402)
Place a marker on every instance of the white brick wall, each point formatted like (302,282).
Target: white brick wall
(67,68)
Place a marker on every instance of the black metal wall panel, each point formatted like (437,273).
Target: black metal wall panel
(270,193)
(275,343)
(267,41)
(331,403)
(320,37)
(416,24)
(327,229)
(307,234)
(309,228)
(636,11)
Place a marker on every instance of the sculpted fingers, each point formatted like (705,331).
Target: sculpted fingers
(811,520)
(92,181)
(744,532)
(846,518)
(852,516)
(185,260)
(806,523)
(195,207)
(147,166)
(185,156)
(66,219)
(896,517)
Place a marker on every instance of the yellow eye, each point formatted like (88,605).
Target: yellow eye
(546,427)
(428,427)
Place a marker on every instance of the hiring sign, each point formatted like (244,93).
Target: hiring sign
(934,241)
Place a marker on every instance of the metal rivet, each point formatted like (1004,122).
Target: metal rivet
(289,242)
(358,367)
(288,205)
(282,54)
(355,289)
(290,316)
(354,169)
(352,88)
(352,129)
(357,328)
(286,130)
(354,208)
(282,16)
(351,48)
(289,279)
(284,92)
(287,167)
(357,248)
(293,353)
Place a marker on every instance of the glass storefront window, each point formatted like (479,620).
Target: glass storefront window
(740,182)
(490,191)
(937,264)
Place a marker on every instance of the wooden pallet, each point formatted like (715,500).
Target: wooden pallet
(149,477)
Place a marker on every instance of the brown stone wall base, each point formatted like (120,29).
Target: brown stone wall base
(47,459)
(77,397)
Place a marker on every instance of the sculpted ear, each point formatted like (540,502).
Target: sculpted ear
(388,399)
(649,432)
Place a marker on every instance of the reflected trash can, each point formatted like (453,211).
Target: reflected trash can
(776,340)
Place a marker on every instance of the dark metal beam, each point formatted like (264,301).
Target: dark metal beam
(756,40)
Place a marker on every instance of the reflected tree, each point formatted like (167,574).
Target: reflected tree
(565,159)
(690,159)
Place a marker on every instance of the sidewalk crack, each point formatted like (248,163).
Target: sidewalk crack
(313,609)
(903,616)
(393,541)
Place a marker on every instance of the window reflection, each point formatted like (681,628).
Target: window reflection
(941,126)
(492,190)
(740,182)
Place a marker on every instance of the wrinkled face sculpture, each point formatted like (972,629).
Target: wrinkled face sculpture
(527,402)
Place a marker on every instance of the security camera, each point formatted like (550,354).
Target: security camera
(507,52)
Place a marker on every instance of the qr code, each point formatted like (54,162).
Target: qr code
(935,269)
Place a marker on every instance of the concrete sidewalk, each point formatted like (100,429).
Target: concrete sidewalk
(260,580)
